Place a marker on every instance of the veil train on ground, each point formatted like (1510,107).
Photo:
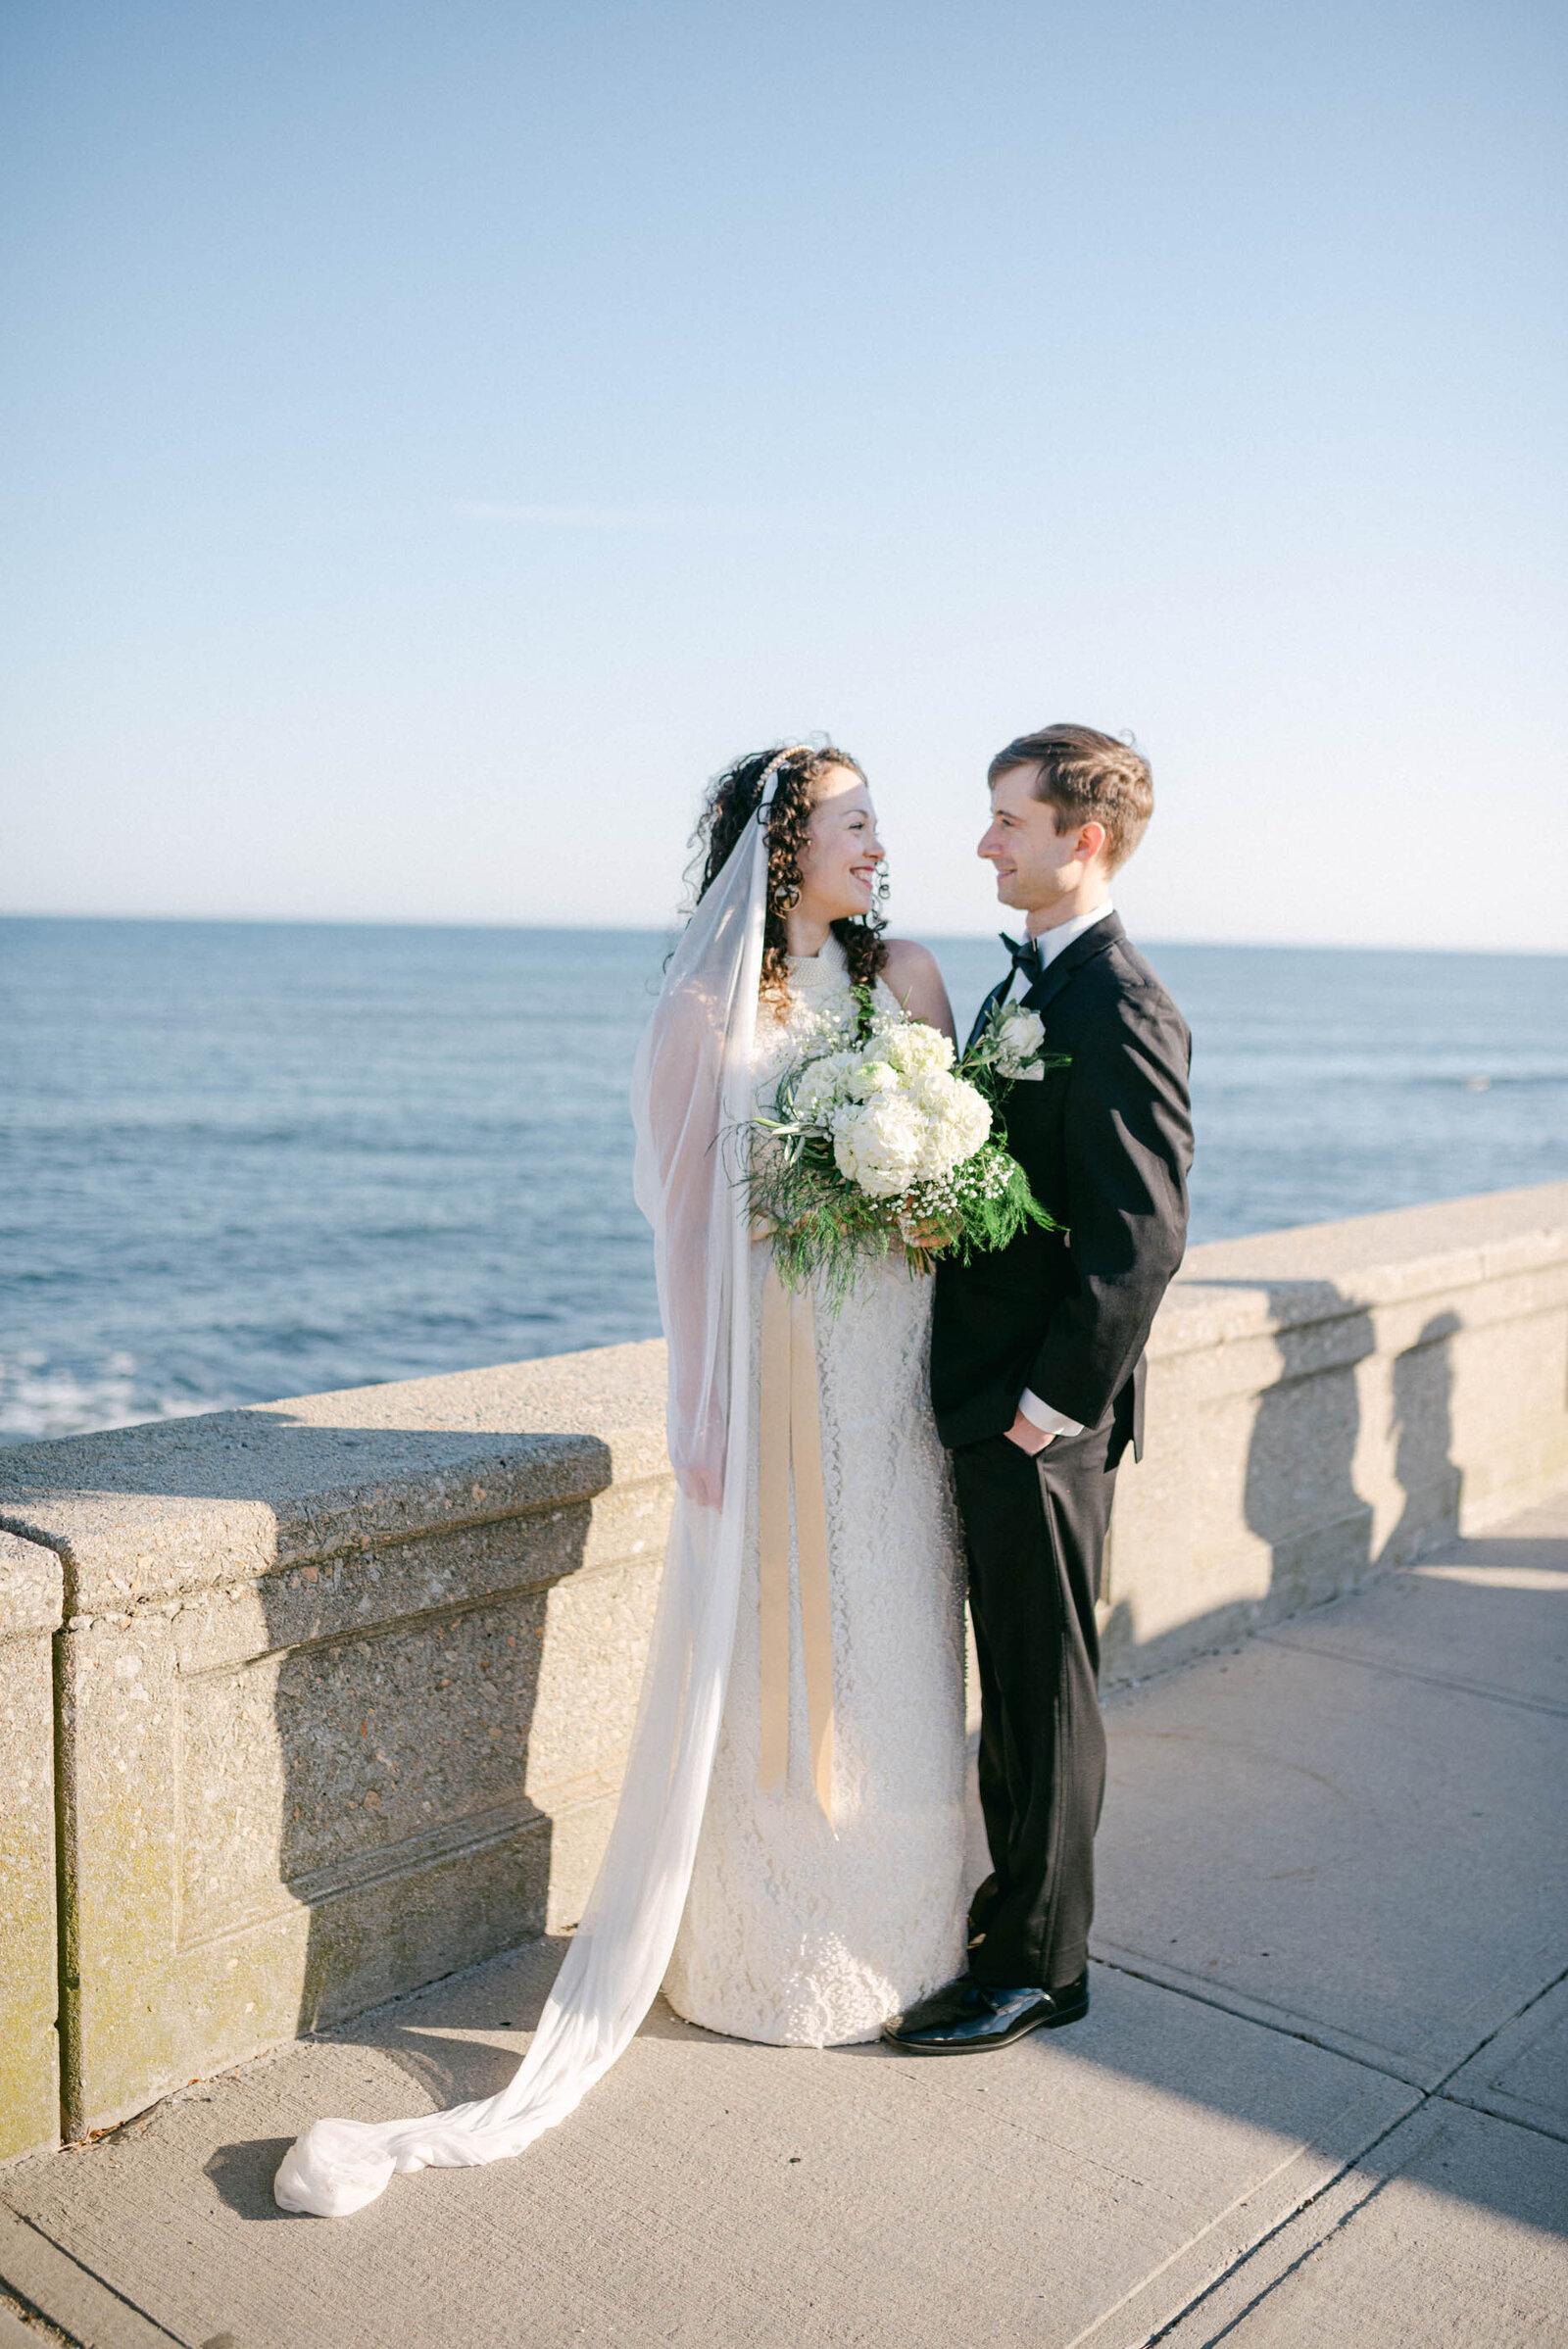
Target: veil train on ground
(691,1088)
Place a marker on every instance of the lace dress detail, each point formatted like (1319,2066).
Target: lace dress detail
(797,1933)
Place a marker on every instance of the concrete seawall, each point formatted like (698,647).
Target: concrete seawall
(311,1703)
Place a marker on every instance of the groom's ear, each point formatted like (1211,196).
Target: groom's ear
(1092,840)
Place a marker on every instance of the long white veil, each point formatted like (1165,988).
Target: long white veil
(692,1084)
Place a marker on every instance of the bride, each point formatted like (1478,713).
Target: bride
(787,1853)
(800,1930)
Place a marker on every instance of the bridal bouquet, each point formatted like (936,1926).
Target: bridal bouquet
(882,1137)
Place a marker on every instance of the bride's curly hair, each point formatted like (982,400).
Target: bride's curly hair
(731,804)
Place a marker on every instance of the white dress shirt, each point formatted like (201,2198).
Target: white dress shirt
(1052,942)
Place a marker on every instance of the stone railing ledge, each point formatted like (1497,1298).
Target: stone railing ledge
(347,1683)
(343,1698)
(1274,1281)
(142,1517)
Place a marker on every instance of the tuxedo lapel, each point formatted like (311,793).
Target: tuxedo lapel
(997,995)
(1072,958)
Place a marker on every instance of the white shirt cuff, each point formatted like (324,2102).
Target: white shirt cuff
(1040,1415)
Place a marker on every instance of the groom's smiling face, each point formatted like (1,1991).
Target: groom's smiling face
(1037,867)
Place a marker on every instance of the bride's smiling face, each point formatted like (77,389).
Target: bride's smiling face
(841,851)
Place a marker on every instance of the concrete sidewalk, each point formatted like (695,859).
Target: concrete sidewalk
(1322,2096)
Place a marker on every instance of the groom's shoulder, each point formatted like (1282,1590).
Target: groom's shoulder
(1132,971)
(1124,985)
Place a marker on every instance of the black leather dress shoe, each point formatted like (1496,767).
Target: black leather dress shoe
(970,2017)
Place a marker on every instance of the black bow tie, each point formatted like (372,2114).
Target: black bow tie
(1025,953)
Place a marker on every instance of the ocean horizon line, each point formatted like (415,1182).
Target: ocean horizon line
(654,930)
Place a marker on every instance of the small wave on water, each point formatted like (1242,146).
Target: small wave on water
(41,1398)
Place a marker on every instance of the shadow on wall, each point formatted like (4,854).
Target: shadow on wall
(1423,1438)
(1299,1495)
(402,1736)
(356,1753)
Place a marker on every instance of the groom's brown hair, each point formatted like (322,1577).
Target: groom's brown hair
(1087,777)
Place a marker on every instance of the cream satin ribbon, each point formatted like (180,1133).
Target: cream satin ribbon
(791,1429)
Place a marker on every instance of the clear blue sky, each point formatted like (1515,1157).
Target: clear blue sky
(436,437)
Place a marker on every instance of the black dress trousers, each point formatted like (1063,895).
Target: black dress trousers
(1035,1531)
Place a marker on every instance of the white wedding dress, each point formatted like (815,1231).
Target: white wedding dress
(798,1932)
(794,1930)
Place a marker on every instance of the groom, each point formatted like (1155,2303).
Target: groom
(1037,1369)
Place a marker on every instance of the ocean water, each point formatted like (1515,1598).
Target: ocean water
(239,1161)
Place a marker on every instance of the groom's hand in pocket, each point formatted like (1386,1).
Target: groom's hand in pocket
(1027,1437)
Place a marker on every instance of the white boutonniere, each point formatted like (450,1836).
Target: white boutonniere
(1010,1048)
(1020,1036)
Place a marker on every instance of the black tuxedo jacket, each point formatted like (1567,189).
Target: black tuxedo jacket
(1107,1142)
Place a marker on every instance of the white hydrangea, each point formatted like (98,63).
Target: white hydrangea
(957,1121)
(878,1143)
(910,1048)
(908,1132)
(822,1086)
(871,1075)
